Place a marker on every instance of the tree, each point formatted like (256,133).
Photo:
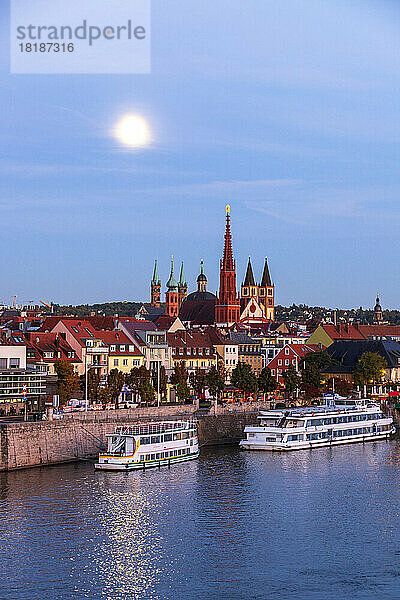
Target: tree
(67,380)
(182,391)
(370,368)
(342,387)
(147,392)
(312,365)
(105,396)
(179,379)
(291,379)
(198,381)
(137,377)
(215,382)
(163,380)
(180,373)
(266,382)
(242,378)
(115,382)
(93,384)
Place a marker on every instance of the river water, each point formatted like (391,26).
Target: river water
(316,524)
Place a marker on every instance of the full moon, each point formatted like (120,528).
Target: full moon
(132,130)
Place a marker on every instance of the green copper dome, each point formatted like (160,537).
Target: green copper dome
(172,284)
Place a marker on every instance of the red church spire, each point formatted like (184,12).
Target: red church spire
(227,261)
(227,307)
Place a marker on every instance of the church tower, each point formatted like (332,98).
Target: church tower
(155,288)
(378,314)
(266,293)
(202,279)
(249,287)
(182,286)
(227,306)
(172,295)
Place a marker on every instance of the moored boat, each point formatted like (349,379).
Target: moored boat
(346,421)
(149,445)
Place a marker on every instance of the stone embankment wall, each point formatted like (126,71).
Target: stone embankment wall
(81,435)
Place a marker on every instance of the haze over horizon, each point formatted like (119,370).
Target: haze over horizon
(288,112)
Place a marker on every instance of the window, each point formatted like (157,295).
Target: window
(122,348)
(286,350)
(3,363)
(14,363)
(112,348)
(279,361)
(286,362)
(125,362)
(273,372)
(116,362)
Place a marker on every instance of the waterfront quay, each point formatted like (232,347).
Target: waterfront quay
(81,436)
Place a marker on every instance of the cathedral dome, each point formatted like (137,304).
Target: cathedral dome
(201,296)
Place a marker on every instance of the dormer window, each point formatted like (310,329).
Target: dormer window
(122,348)
(113,347)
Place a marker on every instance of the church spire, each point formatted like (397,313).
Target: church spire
(172,283)
(182,286)
(249,279)
(155,287)
(156,279)
(227,307)
(182,280)
(228,262)
(266,277)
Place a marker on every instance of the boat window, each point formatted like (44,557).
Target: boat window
(294,438)
(144,440)
(155,439)
(153,456)
(177,436)
(158,455)
(167,437)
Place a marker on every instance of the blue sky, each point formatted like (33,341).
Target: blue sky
(289,111)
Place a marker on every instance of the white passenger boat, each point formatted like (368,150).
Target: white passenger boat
(149,445)
(344,422)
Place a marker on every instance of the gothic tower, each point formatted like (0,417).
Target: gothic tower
(155,288)
(378,314)
(182,286)
(202,279)
(266,293)
(227,306)
(172,295)
(249,287)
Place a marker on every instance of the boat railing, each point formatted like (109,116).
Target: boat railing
(154,428)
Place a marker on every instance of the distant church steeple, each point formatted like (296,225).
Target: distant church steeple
(249,287)
(202,279)
(266,293)
(171,295)
(182,286)
(378,314)
(155,288)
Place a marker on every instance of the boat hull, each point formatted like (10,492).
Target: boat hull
(307,445)
(141,466)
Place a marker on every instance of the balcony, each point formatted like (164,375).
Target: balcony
(98,350)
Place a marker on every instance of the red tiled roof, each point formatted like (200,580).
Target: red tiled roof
(118,338)
(344,331)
